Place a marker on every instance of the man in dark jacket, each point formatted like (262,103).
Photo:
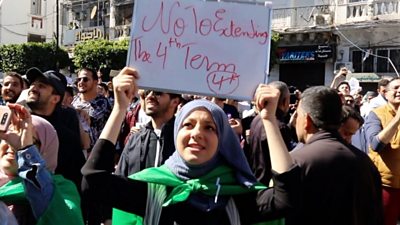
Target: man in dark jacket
(44,99)
(153,144)
(256,150)
(340,184)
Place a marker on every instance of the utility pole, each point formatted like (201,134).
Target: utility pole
(104,15)
(57,33)
(57,23)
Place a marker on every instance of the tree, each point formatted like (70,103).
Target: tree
(21,57)
(274,46)
(101,54)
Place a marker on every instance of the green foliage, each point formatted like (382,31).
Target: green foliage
(274,46)
(20,57)
(101,54)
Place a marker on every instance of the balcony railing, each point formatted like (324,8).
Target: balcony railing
(298,17)
(121,31)
(343,13)
(364,11)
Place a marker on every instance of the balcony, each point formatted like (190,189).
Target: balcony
(325,16)
(301,17)
(120,32)
(366,11)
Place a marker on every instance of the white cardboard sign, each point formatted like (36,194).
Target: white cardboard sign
(201,47)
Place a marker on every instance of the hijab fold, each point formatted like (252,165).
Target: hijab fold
(48,141)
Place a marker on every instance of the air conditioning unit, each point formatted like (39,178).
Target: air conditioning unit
(338,65)
(323,19)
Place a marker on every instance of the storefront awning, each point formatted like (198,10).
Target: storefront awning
(364,77)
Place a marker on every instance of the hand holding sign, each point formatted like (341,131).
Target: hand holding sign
(207,48)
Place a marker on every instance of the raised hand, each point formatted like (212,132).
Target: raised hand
(125,87)
(19,133)
(266,101)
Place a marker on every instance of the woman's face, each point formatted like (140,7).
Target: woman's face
(197,139)
(8,162)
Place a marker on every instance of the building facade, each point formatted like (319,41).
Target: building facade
(370,36)
(27,21)
(95,19)
(318,37)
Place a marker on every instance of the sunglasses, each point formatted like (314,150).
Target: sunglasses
(84,79)
(155,93)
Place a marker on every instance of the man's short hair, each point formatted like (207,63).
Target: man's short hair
(104,85)
(323,105)
(16,75)
(70,90)
(383,83)
(172,95)
(92,71)
(350,112)
(343,83)
(283,89)
(370,93)
(392,79)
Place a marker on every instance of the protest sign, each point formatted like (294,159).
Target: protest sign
(201,47)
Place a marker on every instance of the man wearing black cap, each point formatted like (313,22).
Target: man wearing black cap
(45,95)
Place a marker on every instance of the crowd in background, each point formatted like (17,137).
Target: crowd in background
(313,144)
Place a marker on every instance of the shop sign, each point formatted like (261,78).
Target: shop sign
(306,53)
(92,33)
(72,37)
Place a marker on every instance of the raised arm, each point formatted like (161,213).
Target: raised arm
(266,99)
(125,89)
(99,181)
(38,184)
(378,136)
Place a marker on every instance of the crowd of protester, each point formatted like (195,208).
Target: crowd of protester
(96,153)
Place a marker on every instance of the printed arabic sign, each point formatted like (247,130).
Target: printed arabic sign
(92,33)
(308,53)
(208,48)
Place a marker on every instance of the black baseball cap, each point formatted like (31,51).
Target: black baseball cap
(51,77)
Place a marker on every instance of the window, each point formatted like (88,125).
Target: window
(36,38)
(36,7)
(395,57)
(362,63)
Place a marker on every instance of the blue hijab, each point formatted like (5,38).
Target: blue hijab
(229,150)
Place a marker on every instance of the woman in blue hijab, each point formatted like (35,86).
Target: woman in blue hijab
(207,180)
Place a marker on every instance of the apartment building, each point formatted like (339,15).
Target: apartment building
(26,21)
(320,36)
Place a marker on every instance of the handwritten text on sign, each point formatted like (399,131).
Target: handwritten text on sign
(210,48)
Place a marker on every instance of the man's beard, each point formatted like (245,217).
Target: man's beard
(159,112)
(35,104)
(11,99)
